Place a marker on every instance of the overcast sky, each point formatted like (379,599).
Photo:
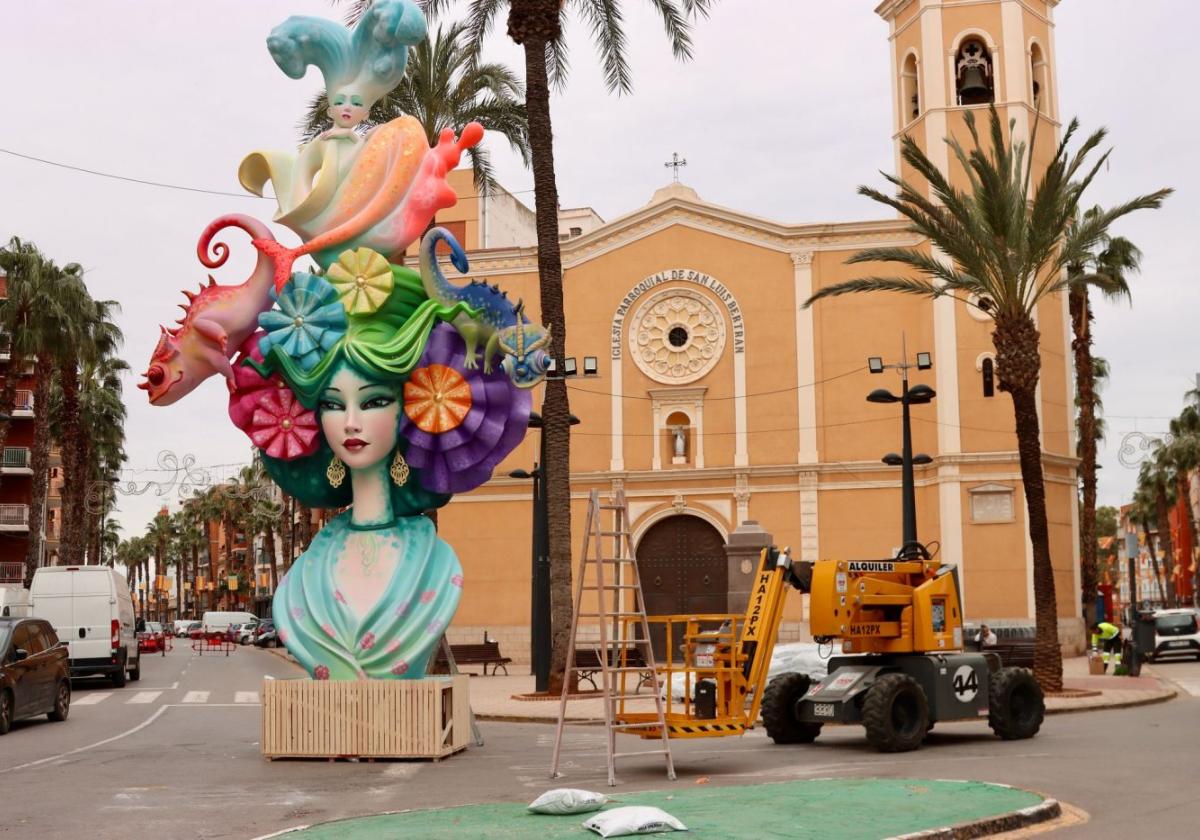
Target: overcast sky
(784,111)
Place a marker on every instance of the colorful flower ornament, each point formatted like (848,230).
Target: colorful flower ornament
(454,453)
(307,322)
(268,411)
(362,279)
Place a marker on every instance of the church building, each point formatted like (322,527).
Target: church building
(723,407)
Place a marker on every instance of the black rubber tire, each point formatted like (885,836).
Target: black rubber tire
(6,711)
(779,710)
(62,701)
(895,713)
(1016,705)
(118,676)
(135,673)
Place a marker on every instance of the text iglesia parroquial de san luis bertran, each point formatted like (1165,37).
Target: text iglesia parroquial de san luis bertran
(687,275)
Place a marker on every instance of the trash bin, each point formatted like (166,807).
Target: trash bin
(1143,634)
(1095,662)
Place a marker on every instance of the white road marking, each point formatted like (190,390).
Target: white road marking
(196,697)
(124,734)
(245,697)
(90,699)
(144,697)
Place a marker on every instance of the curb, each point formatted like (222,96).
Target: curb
(1048,809)
(1165,694)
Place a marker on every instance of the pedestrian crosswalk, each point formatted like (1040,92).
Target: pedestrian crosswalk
(245,698)
(1191,685)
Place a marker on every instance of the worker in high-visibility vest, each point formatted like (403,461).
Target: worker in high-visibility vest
(1108,636)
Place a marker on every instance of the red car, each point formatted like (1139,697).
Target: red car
(152,639)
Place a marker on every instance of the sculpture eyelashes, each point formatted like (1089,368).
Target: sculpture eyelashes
(368,62)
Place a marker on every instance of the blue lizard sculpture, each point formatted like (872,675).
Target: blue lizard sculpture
(500,327)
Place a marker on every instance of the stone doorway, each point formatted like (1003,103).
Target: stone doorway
(684,570)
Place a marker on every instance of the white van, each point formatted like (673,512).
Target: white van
(14,602)
(91,610)
(215,621)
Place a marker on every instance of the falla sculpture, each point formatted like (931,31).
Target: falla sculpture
(363,383)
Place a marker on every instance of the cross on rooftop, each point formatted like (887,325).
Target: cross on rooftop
(675,162)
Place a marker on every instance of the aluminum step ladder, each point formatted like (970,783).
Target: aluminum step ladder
(614,599)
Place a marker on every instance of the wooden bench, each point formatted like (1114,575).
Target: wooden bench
(1013,653)
(588,665)
(483,653)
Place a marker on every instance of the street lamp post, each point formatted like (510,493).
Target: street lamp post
(539,609)
(910,547)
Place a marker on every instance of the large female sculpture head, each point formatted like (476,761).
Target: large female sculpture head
(359,66)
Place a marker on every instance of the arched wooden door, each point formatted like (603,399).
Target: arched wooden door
(682,564)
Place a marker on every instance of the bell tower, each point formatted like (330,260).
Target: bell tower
(950,58)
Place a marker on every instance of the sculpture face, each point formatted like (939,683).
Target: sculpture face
(359,419)
(347,110)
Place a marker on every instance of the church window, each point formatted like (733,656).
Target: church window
(1039,75)
(973,77)
(678,336)
(910,103)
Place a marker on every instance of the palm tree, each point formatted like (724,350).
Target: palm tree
(537,26)
(1185,455)
(208,511)
(1144,513)
(446,86)
(1010,250)
(103,448)
(1157,475)
(1116,259)
(160,534)
(264,512)
(191,536)
(110,540)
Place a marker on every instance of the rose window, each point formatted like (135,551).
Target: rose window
(677,336)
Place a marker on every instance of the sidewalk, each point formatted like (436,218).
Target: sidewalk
(492,698)
(495,698)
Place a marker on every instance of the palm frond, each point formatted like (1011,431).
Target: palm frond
(903,285)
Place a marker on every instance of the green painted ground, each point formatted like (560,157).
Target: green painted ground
(848,809)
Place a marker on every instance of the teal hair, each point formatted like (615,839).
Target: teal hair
(370,61)
(383,346)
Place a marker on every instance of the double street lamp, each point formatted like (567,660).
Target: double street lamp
(911,548)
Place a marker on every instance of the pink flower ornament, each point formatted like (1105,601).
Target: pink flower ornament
(282,427)
(457,580)
(367,642)
(328,630)
(400,668)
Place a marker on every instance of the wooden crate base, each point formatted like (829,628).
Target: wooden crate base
(427,718)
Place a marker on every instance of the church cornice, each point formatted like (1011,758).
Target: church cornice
(702,216)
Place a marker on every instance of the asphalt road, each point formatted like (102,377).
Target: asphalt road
(177,755)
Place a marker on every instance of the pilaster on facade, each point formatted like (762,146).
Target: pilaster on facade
(806,354)
(741,495)
(810,544)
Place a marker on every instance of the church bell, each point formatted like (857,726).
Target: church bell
(974,88)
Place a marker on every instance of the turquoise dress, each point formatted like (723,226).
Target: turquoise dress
(399,633)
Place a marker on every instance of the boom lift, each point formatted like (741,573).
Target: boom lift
(897,622)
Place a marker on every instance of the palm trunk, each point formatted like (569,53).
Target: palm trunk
(1164,539)
(306,533)
(1187,524)
(269,545)
(212,565)
(195,577)
(534,24)
(1085,384)
(285,532)
(1162,592)
(74,478)
(1019,363)
(39,462)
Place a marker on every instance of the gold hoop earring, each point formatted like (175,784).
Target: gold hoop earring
(399,470)
(336,472)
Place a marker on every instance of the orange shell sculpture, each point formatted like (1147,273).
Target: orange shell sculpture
(436,398)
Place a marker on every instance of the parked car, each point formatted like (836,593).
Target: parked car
(195,630)
(267,635)
(90,608)
(246,632)
(180,628)
(1176,633)
(152,639)
(35,671)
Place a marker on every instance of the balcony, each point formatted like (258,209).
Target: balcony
(12,572)
(14,517)
(24,404)
(16,461)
